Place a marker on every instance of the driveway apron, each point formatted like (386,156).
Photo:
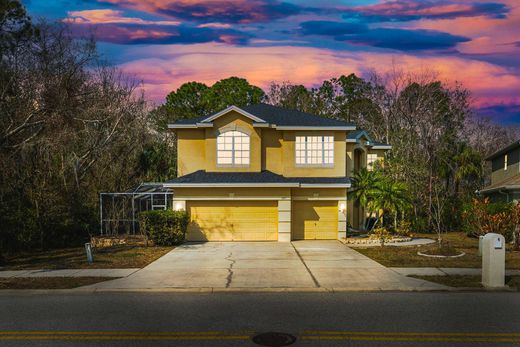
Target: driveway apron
(266,265)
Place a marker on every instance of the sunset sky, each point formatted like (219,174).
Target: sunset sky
(165,43)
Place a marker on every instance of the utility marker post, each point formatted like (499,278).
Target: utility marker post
(88,251)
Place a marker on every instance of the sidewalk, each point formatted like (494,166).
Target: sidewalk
(68,273)
(444,271)
(405,271)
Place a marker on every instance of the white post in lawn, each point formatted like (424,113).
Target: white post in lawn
(493,260)
(342,219)
(480,239)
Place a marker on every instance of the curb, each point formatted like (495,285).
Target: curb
(80,291)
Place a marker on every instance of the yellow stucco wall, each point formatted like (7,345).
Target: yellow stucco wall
(233,121)
(318,193)
(272,158)
(349,158)
(191,151)
(290,169)
(231,193)
(271,149)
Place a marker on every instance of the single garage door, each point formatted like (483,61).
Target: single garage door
(315,220)
(233,221)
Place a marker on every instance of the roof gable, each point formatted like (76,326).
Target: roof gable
(504,150)
(355,136)
(229,109)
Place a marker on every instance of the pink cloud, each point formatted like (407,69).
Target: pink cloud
(109,17)
(172,66)
(489,35)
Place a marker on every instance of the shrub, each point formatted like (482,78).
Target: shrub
(420,225)
(164,227)
(482,216)
(382,234)
(404,228)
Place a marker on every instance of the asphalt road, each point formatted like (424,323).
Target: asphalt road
(230,319)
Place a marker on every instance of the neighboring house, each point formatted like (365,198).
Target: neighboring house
(505,175)
(262,172)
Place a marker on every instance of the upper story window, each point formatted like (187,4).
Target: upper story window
(505,162)
(233,148)
(315,150)
(371,161)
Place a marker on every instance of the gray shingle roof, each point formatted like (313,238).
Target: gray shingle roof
(504,150)
(281,117)
(352,135)
(263,177)
(286,117)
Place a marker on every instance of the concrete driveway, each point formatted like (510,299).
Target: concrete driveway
(313,265)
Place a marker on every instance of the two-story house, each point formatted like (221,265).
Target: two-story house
(262,172)
(505,174)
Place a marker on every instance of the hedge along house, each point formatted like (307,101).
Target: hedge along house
(266,173)
(505,174)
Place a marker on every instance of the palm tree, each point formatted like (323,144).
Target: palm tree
(392,197)
(468,164)
(366,185)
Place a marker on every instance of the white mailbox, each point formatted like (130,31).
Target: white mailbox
(493,260)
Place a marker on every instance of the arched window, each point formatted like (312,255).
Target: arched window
(233,148)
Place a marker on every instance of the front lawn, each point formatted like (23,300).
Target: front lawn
(406,256)
(117,257)
(467,281)
(50,282)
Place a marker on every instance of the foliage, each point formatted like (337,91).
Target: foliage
(69,128)
(15,25)
(164,227)
(194,99)
(404,228)
(515,219)
(382,234)
(365,188)
(482,216)
(391,197)
(378,192)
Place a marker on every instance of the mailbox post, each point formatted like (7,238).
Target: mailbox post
(493,260)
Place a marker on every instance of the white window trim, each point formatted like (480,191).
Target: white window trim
(323,164)
(233,151)
(371,164)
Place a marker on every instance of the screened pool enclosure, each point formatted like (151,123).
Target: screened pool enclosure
(119,212)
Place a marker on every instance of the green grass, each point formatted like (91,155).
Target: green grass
(50,282)
(75,258)
(466,281)
(406,256)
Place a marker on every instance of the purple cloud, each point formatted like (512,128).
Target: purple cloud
(408,10)
(223,11)
(405,40)
(158,34)
(330,28)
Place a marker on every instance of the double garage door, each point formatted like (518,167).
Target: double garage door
(233,221)
(258,220)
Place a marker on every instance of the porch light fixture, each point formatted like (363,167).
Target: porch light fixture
(179,206)
(342,207)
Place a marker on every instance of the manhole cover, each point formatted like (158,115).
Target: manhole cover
(274,339)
